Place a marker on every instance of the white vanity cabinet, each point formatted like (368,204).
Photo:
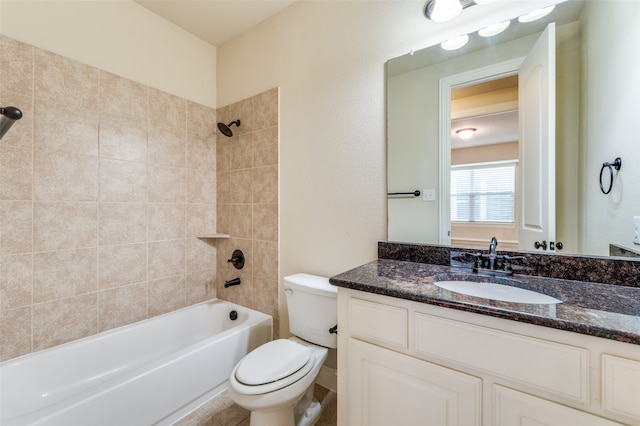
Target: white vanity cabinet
(409,363)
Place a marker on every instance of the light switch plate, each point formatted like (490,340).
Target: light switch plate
(428,195)
(636,229)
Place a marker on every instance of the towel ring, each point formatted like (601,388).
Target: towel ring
(617,163)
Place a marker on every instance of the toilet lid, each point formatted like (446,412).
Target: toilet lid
(272,361)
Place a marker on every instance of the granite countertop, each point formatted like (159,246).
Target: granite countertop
(601,310)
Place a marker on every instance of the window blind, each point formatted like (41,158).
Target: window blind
(483,192)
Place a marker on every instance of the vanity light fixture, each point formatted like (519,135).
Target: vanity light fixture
(466,133)
(536,14)
(494,29)
(455,43)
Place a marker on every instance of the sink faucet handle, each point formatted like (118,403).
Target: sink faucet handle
(508,261)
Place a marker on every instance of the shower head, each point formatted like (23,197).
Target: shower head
(8,115)
(226,128)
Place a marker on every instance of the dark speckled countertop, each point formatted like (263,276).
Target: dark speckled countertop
(601,310)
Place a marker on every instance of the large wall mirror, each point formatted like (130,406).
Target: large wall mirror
(546,104)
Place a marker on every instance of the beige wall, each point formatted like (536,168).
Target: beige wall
(121,37)
(105,185)
(328,59)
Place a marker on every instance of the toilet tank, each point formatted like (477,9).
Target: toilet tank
(312,304)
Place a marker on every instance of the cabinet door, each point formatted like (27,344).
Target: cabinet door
(389,388)
(512,408)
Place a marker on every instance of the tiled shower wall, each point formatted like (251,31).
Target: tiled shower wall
(105,185)
(247,176)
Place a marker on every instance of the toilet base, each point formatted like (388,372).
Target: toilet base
(285,416)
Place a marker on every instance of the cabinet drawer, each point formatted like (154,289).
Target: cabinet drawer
(551,367)
(511,407)
(377,323)
(621,386)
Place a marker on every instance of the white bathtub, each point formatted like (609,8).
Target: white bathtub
(151,372)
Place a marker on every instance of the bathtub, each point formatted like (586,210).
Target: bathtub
(151,372)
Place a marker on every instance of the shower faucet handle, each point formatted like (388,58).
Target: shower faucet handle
(237,259)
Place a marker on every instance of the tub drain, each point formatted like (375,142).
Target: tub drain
(233,315)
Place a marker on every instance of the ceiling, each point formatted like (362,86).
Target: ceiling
(215,21)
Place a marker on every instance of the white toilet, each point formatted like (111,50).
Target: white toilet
(275,381)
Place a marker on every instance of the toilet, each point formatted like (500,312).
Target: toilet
(275,381)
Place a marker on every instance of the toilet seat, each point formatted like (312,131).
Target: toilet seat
(273,366)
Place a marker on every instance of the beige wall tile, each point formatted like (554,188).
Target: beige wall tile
(200,255)
(265,296)
(201,219)
(240,184)
(166,295)
(16,170)
(201,286)
(265,222)
(122,181)
(16,281)
(121,306)
(65,127)
(166,221)
(167,146)
(166,110)
(65,176)
(65,81)
(122,265)
(201,120)
(223,183)
(265,109)
(223,153)
(265,147)
(201,153)
(65,273)
(201,186)
(265,185)
(266,260)
(167,258)
(61,321)
(15,332)
(123,138)
(241,157)
(16,63)
(120,97)
(240,220)
(166,184)
(16,227)
(64,225)
(122,223)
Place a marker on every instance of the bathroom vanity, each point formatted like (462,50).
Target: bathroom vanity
(414,353)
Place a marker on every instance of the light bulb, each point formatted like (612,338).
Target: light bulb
(466,133)
(443,10)
(455,43)
(494,29)
(536,14)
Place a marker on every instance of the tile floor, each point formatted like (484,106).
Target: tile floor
(221,411)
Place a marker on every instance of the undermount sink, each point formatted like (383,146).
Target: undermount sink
(494,291)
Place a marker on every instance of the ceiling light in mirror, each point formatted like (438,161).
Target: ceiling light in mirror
(442,10)
(455,43)
(536,14)
(494,29)
(466,133)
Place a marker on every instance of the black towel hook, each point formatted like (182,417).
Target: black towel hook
(617,164)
